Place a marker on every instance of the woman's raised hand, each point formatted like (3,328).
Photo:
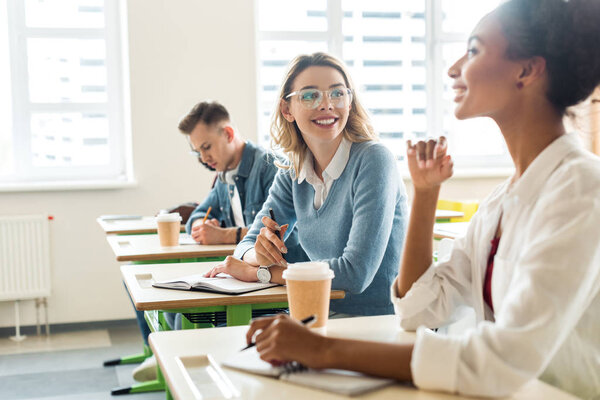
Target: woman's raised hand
(428,163)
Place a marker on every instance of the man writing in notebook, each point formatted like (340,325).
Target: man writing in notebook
(245,174)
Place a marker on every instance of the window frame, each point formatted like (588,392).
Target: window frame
(118,172)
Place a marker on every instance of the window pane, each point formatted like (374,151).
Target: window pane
(384,47)
(292,15)
(64,13)
(67,70)
(6,144)
(69,139)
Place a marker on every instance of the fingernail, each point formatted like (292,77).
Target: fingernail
(277,228)
(421,164)
(283,250)
(410,151)
(283,262)
(429,163)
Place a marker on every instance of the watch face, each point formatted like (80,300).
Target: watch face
(263,275)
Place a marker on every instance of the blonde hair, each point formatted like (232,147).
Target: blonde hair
(286,135)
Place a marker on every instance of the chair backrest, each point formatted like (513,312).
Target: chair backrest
(466,207)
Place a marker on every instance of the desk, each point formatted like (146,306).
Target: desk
(147,248)
(445,215)
(169,346)
(450,230)
(238,308)
(201,309)
(129,226)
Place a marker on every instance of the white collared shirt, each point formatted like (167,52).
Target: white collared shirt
(331,173)
(545,287)
(234,195)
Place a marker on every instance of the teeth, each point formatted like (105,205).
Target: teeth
(325,121)
(459,91)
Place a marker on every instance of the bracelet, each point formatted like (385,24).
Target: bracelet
(238,234)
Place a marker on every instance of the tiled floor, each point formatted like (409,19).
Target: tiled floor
(69,366)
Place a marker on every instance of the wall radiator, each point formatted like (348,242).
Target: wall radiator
(25,263)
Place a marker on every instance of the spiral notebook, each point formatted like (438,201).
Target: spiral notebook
(331,380)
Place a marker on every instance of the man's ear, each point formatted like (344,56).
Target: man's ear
(228,129)
(532,70)
(284,107)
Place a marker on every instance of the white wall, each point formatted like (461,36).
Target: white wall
(180,53)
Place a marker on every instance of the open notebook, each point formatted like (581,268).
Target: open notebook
(332,380)
(222,283)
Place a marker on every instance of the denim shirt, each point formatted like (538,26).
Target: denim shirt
(255,175)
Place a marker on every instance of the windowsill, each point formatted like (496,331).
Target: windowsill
(66,186)
(473,173)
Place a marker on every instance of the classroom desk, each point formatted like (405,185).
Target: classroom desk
(201,309)
(129,226)
(450,230)
(238,308)
(445,215)
(147,248)
(170,346)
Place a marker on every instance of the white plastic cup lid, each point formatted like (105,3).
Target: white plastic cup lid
(172,217)
(308,271)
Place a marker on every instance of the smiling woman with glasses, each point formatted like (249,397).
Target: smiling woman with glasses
(341,190)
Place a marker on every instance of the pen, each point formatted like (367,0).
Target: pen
(306,321)
(207,213)
(272,215)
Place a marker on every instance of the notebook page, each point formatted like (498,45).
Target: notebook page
(249,361)
(338,381)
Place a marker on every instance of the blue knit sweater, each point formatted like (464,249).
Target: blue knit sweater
(359,230)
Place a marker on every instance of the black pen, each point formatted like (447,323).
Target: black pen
(272,215)
(305,321)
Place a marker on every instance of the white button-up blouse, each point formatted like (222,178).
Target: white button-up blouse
(545,287)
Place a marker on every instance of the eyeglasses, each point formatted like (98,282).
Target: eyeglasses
(312,98)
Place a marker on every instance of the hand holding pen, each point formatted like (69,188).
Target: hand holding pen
(269,246)
(308,321)
(281,340)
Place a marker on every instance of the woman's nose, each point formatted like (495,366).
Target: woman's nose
(454,70)
(326,103)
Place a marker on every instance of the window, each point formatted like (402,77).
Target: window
(62,117)
(398,54)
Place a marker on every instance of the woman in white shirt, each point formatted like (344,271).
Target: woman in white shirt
(529,264)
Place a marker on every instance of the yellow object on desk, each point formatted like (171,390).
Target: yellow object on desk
(468,208)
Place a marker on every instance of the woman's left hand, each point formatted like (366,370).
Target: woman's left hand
(238,269)
(282,339)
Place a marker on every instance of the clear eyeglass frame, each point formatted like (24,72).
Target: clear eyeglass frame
(340,97)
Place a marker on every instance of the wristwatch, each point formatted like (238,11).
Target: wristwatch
(263,274)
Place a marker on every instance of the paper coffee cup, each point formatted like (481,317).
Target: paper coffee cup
(308,290)
(169,226)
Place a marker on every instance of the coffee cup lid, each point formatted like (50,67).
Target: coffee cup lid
(172,217)
(308,271)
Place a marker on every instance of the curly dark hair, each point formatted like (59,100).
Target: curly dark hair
(566,34)
(207,112)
